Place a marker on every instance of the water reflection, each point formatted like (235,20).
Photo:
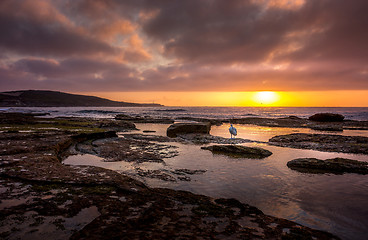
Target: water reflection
(259,133)
(335,203)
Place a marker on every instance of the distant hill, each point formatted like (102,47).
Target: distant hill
(40,98)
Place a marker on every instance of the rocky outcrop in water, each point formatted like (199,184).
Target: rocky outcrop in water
(335,127)
(185,128)
(192,138)
(207,138)
(117,125)
(239,151)
(334,165)
(323,142)
(327,117)
(128,150)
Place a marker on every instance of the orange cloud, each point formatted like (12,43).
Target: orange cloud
(108,31)
(283,4)
(135,51)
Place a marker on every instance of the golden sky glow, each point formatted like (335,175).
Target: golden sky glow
(266,98)
(243,99)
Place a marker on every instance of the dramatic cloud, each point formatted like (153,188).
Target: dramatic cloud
(175,45)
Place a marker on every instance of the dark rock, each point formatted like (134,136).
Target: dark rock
(16,118)
(128,150)
(149,131)
(323,142)
(126,117)
(355,125)
(291,118)
(187,171)
(97,135)
(156,174)
(117,125)
(184,178)
(295,122)
(184,128)
(207,138)
(327,117)
(147,137)
(335,165)
(239,151)
(327,127)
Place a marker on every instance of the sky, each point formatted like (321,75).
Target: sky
(189,52)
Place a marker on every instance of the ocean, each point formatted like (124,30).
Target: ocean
(350,113)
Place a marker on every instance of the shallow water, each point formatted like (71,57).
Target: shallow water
(335,203)
(352,113)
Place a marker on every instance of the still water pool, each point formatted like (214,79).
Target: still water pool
(334,203)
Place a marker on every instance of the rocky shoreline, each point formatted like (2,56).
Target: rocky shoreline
(239,151)
(42,197)
(323,142)
(335,124)
(334,165)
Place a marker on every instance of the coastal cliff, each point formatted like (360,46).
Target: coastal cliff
(40,98)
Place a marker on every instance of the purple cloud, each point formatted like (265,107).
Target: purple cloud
(172,45)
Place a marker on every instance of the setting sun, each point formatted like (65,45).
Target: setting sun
(266,98)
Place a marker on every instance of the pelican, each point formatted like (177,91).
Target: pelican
(232,131)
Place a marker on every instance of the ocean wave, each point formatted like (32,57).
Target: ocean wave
(249,115)
(98,112)
(171,110)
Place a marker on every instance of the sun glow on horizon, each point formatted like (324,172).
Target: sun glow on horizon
(266,98)
(347,98)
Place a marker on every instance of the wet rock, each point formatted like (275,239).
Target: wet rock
(188,171)
(128,150)
(296,122)
(166,175)
(90,136)
(327,117)
(156,174)
(239,151)
(118,125)
(16,118)
(184,128)
(323,142)
(146,137)
(71,211)
(355,125)
(124,117)
(149,131)
(327,127)
(334,165)
(207,138)
(292,118)
(184,178)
